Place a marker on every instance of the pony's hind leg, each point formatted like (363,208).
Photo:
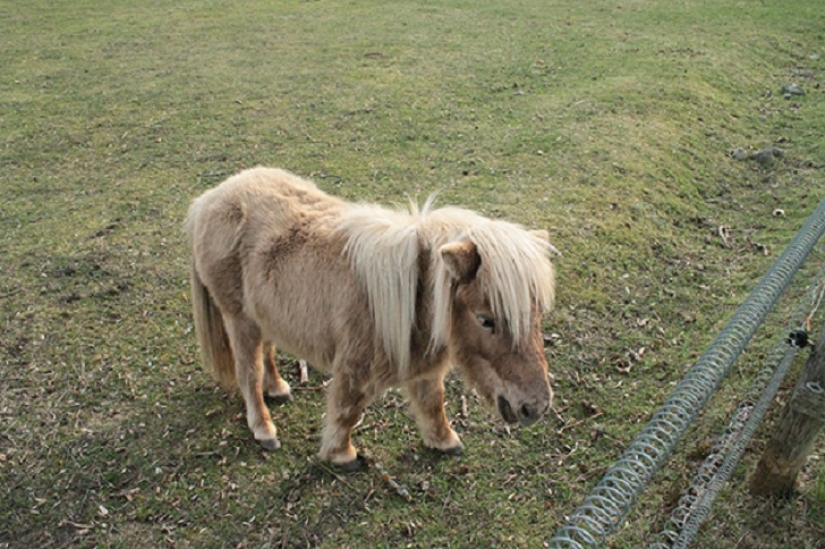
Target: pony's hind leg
(275,386)
(427,402)
(245,339)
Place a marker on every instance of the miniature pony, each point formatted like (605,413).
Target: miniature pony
(378,298)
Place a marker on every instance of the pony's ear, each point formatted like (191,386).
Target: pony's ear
(541,233)
(544,235)
(461,258)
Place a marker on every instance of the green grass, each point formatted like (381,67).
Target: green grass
(607,124)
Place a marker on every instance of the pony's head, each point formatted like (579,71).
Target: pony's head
(500,282)
(491,282)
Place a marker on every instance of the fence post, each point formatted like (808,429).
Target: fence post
(795,434)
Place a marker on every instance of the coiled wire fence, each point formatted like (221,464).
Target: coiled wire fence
(611,499)
(716,470)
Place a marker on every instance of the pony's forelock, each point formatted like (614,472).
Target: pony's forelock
(516,275)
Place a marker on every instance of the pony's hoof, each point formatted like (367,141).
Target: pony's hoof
(357,464)
(454,451)
(269,444)
(281,399)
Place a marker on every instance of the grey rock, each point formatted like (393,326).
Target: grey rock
(765,157)
(789,90)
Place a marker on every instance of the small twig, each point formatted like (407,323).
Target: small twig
(213,174)
(311,389)
(338,477)
(577,423)
(11,293)
(560,458)
(77,525)
(558,415)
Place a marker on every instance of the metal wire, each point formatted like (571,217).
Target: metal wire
(695,505)
(611,499)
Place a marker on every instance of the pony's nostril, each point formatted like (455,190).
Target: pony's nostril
(506,410)
(526,412)
(529,414)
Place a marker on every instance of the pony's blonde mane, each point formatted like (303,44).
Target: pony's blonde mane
(383,245)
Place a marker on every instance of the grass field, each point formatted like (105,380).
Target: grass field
(608,124)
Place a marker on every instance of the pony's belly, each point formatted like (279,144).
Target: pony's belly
(299,299)
(315,357)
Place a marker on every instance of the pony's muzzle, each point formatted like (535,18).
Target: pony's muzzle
(525,414)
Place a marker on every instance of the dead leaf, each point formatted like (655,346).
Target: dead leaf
(725,235)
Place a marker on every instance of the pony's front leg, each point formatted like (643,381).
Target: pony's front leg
(245,339)
(427,402)
(345,404)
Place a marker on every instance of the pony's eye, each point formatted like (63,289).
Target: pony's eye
(487,323)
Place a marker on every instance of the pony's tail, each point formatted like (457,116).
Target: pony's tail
(216,354)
